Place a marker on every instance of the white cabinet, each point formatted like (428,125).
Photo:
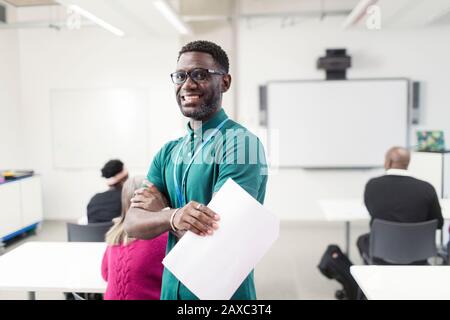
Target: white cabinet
(433,167)
(20,206)
(10,213)
(31,200)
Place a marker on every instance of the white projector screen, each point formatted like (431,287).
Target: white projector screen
(336,124)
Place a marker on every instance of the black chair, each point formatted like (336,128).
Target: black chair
(93,232)
(76,296)
(402,242)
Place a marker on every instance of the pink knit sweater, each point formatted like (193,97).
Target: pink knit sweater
(134,271)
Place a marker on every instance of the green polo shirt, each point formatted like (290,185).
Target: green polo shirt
(234,152)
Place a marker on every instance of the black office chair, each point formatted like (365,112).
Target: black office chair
(402,243)
(93,232)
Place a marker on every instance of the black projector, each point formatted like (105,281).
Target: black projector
(336,62)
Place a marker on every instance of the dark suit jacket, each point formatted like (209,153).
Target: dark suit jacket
(402,199)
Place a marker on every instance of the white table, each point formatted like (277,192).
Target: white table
(403,282)
(53,266)
(353,209)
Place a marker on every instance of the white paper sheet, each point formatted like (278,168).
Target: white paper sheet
(213,267)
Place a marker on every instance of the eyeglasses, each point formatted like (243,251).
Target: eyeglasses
(197,75)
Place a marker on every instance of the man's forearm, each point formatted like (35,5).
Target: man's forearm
(142,224)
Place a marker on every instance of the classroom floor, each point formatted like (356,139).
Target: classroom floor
(288,271)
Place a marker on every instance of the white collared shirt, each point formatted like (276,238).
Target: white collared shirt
(398,172)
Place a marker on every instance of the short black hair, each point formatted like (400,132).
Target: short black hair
(111,168)
(218,54)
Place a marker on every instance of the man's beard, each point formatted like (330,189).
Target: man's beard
(204,111)
(201,113)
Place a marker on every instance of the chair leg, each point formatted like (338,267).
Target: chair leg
(447,260)
(360,295)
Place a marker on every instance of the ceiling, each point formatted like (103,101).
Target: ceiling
(30,3)
(404,13)
(141,16)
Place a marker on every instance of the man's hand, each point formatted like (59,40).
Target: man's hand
(149,198)
(197,218)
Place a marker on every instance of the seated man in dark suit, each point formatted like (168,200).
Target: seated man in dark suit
(105,206)
(399,197)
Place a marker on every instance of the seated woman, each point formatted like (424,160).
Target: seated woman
(105,206)
(133,268)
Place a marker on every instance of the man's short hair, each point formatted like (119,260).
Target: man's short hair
(111,168)
(218,54)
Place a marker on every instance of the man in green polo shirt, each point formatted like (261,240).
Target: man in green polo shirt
(190,170)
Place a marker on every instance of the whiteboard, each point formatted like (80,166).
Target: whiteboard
(336,124)
(91,126)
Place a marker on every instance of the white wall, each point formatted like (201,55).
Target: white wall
(93,58)
(11,156)
(85,59)
(268,51)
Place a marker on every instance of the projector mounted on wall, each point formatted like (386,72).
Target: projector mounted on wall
(336,62)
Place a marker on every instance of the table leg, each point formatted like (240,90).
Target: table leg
(347,238)
(31,295)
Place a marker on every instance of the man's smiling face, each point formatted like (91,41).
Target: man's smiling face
(199,100)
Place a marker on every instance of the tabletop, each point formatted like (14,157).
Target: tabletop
(53,266)
(403,282)
(352,209)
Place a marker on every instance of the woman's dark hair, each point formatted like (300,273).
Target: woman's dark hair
(111,168)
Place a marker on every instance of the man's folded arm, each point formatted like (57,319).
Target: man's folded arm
(142,224)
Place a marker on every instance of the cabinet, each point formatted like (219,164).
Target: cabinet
(20,206)
(433,167)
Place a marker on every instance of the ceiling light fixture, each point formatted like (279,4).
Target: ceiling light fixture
(167,11)
(96,20)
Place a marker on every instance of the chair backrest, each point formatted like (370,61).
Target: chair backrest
(402,242)
(93,232)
